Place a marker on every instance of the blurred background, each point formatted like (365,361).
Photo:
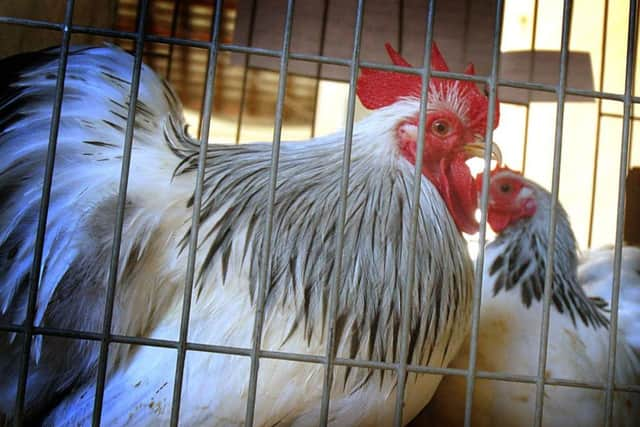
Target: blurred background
(316,94)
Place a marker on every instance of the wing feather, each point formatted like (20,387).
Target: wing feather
(81,214)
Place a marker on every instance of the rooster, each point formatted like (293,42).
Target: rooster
(156,231)
(510,325)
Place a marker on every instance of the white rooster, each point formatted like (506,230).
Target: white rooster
(510,325)
(153,257)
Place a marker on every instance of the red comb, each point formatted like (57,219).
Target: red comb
(437,60)
(492,173)
(379,88)
(504,169)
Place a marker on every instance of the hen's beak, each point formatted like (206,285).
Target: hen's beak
(476,149)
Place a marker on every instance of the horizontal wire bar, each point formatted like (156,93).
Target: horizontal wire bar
(543,87)
(34,23)
(598,124)
(618,116)
(306,358)
(245,73)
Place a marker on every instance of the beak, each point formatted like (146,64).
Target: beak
(476,149)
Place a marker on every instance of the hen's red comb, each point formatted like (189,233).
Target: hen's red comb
(493,172)
(379,88)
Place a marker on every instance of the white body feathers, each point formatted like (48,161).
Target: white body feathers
(595,274)
(508,342)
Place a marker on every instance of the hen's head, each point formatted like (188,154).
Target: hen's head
(454,128)
(512,197)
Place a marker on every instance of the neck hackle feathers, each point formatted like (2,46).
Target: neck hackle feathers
(379,88)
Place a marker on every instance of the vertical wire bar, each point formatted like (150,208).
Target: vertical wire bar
(415,209)
(195,216)
(265,273)
(465,27)
(603,47)
(633,113)
(174,29)
(551,236)
(400,25)
(245,71)
(117,232)
(34,276)
(484,202)
(532,48)
(342,214)
(633,120)
(316,92)
(617,258)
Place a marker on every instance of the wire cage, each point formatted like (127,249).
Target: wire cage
(573,134)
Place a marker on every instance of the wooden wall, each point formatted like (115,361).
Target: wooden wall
(16,39)
(632,208)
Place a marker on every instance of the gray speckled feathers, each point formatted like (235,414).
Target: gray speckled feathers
(375,259)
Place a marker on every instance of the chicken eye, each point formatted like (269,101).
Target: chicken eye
(505,188)
(440,127)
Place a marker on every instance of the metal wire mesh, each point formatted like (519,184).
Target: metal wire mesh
(484,202)
(117,232)
(195,219)
(42,218)
(555,187)
(624,164)
(342,209)
(255,353)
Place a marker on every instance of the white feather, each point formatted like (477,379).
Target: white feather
(595,274)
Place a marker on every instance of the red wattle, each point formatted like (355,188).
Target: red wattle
(459,192)
(498,220)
